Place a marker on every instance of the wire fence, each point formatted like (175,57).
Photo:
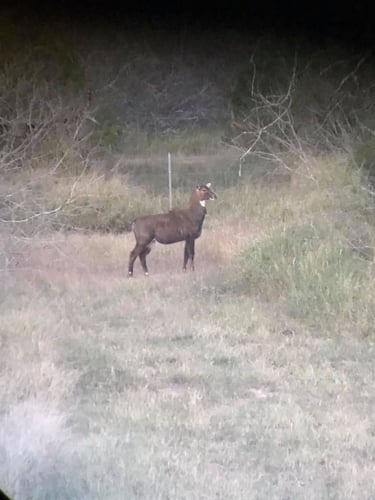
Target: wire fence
(165,175)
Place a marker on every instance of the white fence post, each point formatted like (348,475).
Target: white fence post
(170,180)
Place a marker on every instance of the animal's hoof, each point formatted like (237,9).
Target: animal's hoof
(146,274)
(130,274)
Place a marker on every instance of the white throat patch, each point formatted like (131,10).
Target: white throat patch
(202,202)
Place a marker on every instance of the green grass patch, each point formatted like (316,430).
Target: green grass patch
(314,272)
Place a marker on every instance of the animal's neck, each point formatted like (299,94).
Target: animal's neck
(196,204)
(197,208)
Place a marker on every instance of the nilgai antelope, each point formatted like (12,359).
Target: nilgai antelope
(176,225)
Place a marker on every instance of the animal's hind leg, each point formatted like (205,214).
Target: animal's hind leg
(142,258)
(137,250)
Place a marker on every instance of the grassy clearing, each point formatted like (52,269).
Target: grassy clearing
(149,388)
(251,378)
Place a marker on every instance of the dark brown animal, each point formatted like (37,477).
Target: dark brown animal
(177,225)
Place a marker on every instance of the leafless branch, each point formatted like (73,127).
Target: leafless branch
(269,126)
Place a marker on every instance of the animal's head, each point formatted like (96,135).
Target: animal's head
(205,193)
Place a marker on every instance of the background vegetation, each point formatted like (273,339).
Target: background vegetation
(252,378)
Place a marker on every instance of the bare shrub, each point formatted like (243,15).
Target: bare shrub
(44,130)
(306,109)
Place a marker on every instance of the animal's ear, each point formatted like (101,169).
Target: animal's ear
(208,184)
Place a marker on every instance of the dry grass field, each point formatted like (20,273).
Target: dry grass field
(251,378)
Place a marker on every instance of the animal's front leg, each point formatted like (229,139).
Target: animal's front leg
(189,253)
(192,253)
(186,255)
